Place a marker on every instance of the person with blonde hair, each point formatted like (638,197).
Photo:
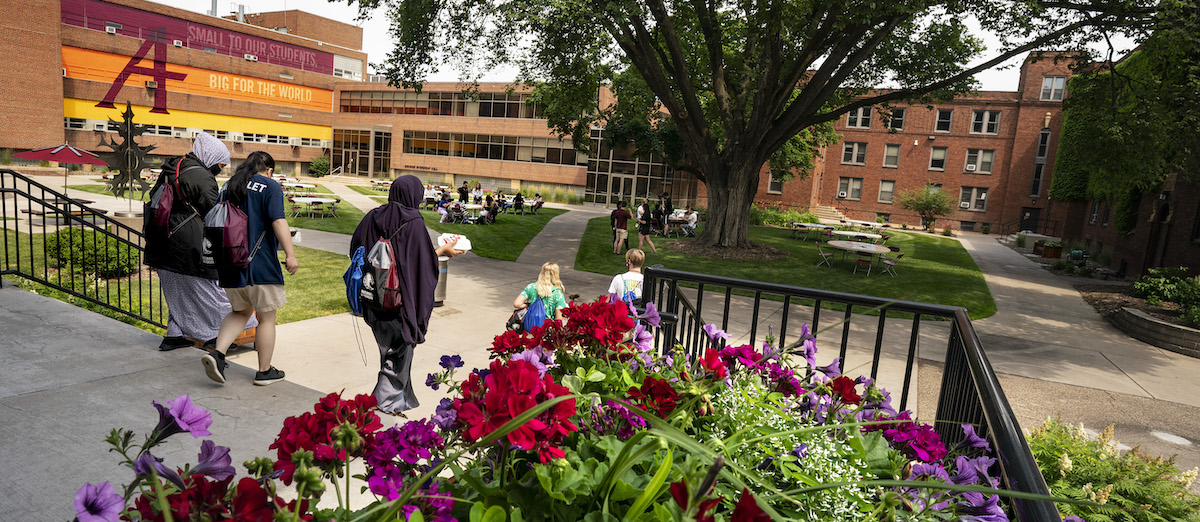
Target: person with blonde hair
(549,289)
(628,286)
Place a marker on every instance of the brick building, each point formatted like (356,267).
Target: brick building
(993,151)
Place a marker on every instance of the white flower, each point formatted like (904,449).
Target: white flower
(1064,463)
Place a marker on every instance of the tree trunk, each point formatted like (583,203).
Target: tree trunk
(731,190)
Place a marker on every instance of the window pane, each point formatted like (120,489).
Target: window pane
(944,118)
(891,156)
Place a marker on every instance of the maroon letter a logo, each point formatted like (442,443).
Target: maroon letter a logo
(159,73)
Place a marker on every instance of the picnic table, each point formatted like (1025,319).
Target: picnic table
(859,235)
(858,247)
(314,204)
(807,228)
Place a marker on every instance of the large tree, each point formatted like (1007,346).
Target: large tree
(731,84)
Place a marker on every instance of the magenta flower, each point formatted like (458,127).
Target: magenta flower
(386,481)
(215,461)
(98,503)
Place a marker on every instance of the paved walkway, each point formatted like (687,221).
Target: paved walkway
(72,375)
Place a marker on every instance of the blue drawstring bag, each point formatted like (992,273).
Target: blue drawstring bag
(536,316)
(353,279)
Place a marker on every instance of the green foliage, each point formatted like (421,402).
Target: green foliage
(1060,264)
(319,166)
(948,232)
(1191,317)
(1086,272)
(1125,215)
(1170,284)
(92,252)
(986,229)
(765,215)
(1020,242)
(929,202)
(1124,487)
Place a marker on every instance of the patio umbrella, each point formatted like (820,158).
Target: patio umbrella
(63,154)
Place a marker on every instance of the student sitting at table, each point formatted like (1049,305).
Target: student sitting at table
(692,217)
(518,203)
(501,202)
(443,208)
(537,203)
(489,210)
(477,194)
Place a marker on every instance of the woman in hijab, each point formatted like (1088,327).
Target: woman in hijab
(195,302)
(398,333)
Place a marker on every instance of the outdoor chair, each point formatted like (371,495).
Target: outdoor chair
(333,207)
(826,257)
(519,208)
(883,239)
(294,208)
(863,260)
(889,264)
(316,209)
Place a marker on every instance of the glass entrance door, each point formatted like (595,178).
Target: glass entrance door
(620,188)
(349,162)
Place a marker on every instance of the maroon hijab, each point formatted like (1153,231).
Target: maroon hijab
(414,255)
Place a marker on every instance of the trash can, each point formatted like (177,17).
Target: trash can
(1078,255)
(439,291)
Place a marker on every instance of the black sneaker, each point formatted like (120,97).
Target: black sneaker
(214,365)
(271,376)
(174,343)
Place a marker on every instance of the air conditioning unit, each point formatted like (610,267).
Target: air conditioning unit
(100,127)
(151,84)
(842,195)
(250,57)
(110,29)
(983,195)
(964,204)
(178,134)
(295,142)
(970,168)
(325,144)
(178,43)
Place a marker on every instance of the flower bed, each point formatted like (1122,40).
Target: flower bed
(583,421)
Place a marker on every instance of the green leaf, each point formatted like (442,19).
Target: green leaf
(654,489)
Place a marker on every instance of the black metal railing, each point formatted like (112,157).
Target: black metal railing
(1045,227)
(969,392)
(33,217)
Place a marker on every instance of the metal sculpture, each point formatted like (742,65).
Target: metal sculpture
(127,157)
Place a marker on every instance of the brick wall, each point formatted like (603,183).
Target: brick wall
(1166,232)
(300,23)
(31,97)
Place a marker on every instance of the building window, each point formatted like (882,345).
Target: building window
(850,188)
(944,117)
(896,122)
(937,158)
(979,161)
(775,186)
(887,190)
(1104,217)
(1095,211)
(485,146)
(884,217)
(966,226)
(891,156)
(1035,188)
(854,153)
(1053,86)
(859,118)
(1043,144)
(986,122)
(973,198)
(75,123)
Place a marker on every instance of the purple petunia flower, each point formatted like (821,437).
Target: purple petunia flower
(801,452)
(451,361)
(979,508)
(98,503)
(441,503)
(1072,518)
(973,440)
(215,461)
(444,415)
(808,349)
(715,333)
(178,416)
(833,369)
(931,470)
(147,462)
(651,315)
(431,381)
(977,469)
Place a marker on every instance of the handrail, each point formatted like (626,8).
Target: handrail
(969,393)
(1044,226)
(57,211)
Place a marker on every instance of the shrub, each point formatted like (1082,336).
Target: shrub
(1069,269)
(319,166)
(1086,272)
(1191,317)
(947,231)
(1123,485)
(1169,284)
(986,229)
(1059,265)
(779,217)
(92,252)
(1020,243)
(903,225)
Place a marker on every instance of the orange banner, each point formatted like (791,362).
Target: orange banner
(86,64)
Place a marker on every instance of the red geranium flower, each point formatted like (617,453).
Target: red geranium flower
(657,395)
(510,389)
(311,431)
(713,363)
(747,509)
(844,387)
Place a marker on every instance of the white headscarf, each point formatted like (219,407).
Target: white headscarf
(210,150)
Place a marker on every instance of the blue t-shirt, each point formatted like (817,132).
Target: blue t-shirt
(263,205)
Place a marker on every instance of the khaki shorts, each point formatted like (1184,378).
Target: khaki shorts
(622,234)
(260,298)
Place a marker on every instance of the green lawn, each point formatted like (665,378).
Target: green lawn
(504,240)
(370,191)
(348,217)
(317,289)
(103,189)
(934,269)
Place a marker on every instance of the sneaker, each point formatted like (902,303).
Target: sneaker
(271,376)
(214,365)
(174,343)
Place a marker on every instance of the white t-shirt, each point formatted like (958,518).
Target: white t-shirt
(627,282)
(693,218)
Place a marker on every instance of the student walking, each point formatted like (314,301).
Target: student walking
(397,333)
(620,221)
(195,302)
(258,288)
(628,286)
(645,226)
